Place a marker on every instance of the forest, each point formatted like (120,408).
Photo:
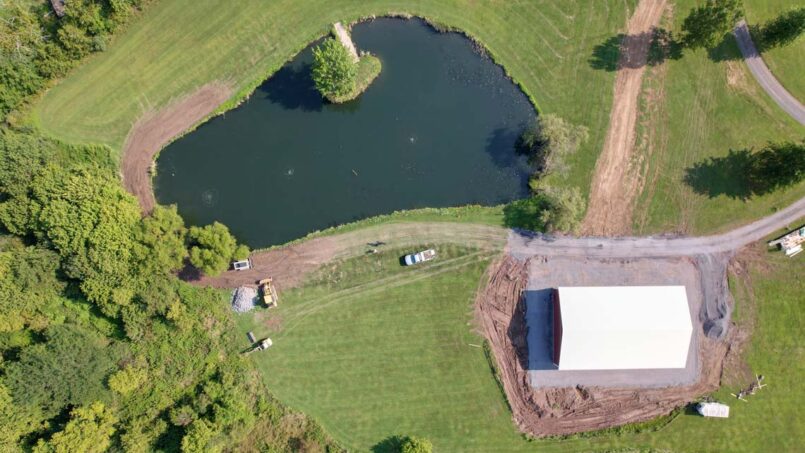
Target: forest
(101,346)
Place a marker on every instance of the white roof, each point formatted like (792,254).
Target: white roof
(714,410)
(624,327)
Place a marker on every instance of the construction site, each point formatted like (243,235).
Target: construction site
(608,381)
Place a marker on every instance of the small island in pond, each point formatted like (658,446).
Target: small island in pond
(340,74)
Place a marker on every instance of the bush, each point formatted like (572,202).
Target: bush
(416,445)
(549,141)
(334,72)
(550,209)
(213,247)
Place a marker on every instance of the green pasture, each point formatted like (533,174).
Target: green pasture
(372,349)
(712,105)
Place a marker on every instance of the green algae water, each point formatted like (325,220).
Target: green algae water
(437,128)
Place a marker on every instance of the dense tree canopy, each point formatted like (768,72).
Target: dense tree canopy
(334,72)
(707,24)
(68,369)
(89,430)
(783,29)
(212,248)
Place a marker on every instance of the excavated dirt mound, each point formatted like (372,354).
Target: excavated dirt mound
(500,311)
(156,129)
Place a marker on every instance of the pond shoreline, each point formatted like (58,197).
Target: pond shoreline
(437,128)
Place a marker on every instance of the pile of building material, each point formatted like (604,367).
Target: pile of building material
(244,299)
(791,243)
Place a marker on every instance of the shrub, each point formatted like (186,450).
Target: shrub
(213,247)
(416,445)
(334,72)
(549,141)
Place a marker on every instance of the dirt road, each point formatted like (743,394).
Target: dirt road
(156,129)
(289,265)
(764,77)
(615,184)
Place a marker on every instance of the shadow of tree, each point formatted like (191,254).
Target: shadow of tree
(605,55)
(391,444)
(726,50)
(726,175)
(662,46)
(293,88)
(742,173)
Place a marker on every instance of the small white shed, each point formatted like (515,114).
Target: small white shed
(713,410)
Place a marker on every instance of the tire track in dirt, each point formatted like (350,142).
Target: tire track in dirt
(615,185)
(154,130)
(290,265)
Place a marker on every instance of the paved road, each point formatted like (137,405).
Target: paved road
(764,77)
(528,244)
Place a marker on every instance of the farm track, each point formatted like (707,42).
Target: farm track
(615,184)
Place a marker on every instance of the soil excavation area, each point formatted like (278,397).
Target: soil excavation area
(546,403)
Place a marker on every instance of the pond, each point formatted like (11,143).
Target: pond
(437,128)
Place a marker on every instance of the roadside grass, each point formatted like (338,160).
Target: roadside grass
(486,215)
(180,45)
(711,104)
(786,63)
(372,349)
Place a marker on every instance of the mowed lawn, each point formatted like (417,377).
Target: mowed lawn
(785,62)
(179,45)
(709,104)
(373,350)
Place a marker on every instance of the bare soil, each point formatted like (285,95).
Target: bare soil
(615,183)
(290,265)
(541,412)
(154,130)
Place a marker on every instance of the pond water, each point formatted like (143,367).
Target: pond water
(437,128)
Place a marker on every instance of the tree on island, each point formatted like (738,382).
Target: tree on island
(334,72)
(708,23)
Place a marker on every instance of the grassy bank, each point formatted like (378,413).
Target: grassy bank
(372,350)
(180,45)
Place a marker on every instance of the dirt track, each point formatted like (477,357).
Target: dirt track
(289,265)
(615,184)
(156,129)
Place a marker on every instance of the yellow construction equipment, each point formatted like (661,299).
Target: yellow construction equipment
(268,291)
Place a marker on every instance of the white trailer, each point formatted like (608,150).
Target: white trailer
(713,410)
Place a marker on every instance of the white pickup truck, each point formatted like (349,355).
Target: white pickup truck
(415,258)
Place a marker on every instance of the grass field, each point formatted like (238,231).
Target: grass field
(372,350)
(708,105)
(786,62)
